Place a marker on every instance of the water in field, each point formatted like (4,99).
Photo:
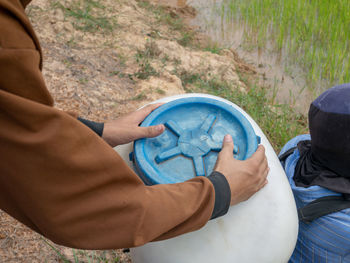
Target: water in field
(299,47)
(285,87)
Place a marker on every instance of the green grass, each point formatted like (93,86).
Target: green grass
(88,15)
(315,34)
(160,91)
(186,38)
(279,122)
(141,96)
(166,17)
(163,16)
(143,58)
(151,50)
(213,48)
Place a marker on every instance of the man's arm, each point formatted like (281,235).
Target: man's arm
(65,182)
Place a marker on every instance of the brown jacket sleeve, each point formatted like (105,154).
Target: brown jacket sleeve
(62,180)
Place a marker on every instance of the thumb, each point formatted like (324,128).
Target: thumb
(227,145)
(151,131)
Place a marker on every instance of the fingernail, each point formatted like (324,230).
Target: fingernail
(159,128)
(227,138)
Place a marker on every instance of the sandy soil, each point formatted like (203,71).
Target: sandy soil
(102,70)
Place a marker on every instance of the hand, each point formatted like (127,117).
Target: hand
(245,178)
(126,129)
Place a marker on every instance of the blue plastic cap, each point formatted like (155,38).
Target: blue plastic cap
(195,128)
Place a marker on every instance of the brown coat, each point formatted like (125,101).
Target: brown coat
(62,180)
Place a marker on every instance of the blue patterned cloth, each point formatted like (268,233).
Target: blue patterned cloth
(326,239)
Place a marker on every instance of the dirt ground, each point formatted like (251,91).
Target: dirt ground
(103,59)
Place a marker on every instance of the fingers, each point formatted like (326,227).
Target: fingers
(151,107)
(225,154)
(227,145)
(149,132)
(145,111)
(259,161)
(264,180)
(264,184)
(259,156)
(266,172)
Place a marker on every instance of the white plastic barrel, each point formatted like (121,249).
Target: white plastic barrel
(262,229)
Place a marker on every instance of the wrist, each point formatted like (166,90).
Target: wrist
(97,127)
(222,194)
(107,134)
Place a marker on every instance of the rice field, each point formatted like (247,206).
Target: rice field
(313,34)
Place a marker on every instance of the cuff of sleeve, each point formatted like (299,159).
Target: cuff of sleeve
(222,194)
(95,126)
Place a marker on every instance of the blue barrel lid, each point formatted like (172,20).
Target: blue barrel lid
(195,128)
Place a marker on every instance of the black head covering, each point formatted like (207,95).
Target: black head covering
(325,160)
